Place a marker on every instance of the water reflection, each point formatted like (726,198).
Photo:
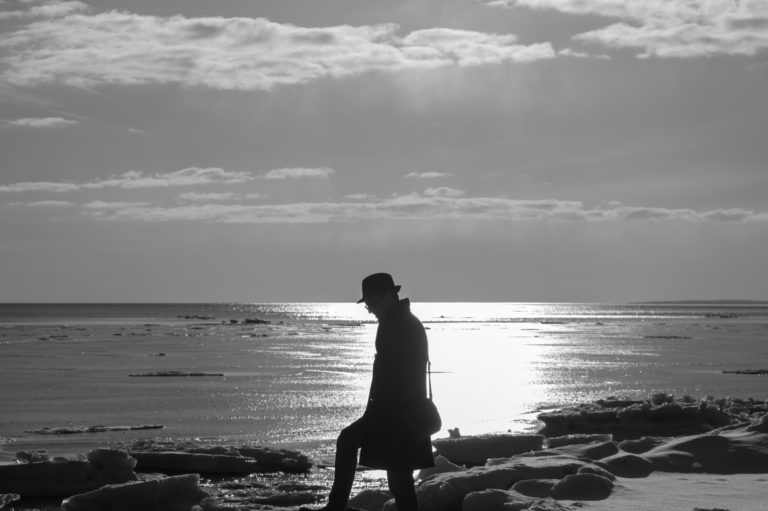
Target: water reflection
(486,376)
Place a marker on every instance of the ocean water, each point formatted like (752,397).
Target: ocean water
(297,380)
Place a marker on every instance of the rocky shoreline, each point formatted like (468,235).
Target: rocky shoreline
(581,455)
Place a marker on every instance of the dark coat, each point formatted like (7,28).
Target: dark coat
(397,387)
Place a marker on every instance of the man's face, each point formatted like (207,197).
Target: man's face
(378,305)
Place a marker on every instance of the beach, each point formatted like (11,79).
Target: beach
(292,375)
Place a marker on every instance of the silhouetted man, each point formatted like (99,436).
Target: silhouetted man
(385,434)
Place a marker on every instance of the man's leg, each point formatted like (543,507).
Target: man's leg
(401,486)
(347,447)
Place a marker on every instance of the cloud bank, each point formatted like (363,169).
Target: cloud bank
(137,180)
(237,206)
(434,204)
(71,43)
(418,207)
(39,122)
(297,173)
(670,28)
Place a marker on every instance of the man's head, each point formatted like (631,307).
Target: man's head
(379,293)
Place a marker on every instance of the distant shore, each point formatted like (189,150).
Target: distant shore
(701,302)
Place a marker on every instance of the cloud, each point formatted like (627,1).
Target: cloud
(360,197)
(136,180)
(47,9)
(203,197)
(115,206)
(185,177)
(421,207)
(435,203)
(40,186)
(670,28)
(426,175)
(44,204)
(469,48)
(40,122)
(296,173)
(568,52)
(71,43)
(444,191)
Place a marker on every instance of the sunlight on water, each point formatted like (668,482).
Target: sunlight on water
(302,376)
(485,376)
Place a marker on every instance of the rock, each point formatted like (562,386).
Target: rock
(170,494)
(662,416)
(549,505)
(640,445)
(578,439)
(759,426)
(172,374)
(284,499)
(271,459)
(583,487)
(714,414)
(63,478)
(264,459)
(594,451)
(729,451)
(255,321)
(594,469)
(538,488)
(534,466)
(476,450)
(33,456)
(186,462)
(370,500)
(211,504)
(747,371)
(92,429)
(673,461)
(445,492)
(116,466)
(442,465)
(627,465)
(492,500)
(661,398)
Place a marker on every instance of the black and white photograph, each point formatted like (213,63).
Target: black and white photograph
(370,255)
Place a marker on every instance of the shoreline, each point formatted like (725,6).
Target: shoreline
(716,459)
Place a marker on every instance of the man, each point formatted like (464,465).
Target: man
(385,434)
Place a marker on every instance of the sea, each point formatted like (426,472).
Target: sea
(293,375)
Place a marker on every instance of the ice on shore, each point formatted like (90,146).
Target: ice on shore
(67,430)
(663,415)
(582,467)
(62,478)
(177,462)
(216,459)
(177,493)
(475,450)
(517,471)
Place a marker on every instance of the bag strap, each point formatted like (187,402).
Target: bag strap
(429,377)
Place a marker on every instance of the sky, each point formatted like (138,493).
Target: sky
(478,150)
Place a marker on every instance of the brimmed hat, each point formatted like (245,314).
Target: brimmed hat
(378,284)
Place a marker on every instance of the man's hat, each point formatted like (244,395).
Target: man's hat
(378,284)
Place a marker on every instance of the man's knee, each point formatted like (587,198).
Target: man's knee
(349,438)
